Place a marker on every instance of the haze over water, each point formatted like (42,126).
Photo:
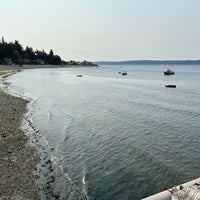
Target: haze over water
(113,136)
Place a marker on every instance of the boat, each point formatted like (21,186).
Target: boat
(170,86)
(168,72)
(124,73)
(79,75)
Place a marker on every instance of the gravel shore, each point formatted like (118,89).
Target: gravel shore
(17,160)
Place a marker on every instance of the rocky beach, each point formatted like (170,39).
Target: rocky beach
(18,160)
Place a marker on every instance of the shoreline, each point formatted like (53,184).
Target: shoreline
(35,178)
(18,159)
(17,67)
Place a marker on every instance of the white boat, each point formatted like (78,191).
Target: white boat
(168,72)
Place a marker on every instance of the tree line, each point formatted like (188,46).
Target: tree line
(14,53)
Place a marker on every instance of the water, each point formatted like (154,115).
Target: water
(112,136)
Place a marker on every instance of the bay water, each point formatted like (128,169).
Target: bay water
(114,137)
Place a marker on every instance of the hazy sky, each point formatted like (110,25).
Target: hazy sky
(105,29)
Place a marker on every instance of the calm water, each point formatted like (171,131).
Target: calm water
(114,137)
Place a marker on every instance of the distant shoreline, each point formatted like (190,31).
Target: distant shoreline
(150,62)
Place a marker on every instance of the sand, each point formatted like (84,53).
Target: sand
(17,159)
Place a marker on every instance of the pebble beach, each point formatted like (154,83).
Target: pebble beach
(18,160)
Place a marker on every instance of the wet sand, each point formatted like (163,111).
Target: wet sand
(17,160)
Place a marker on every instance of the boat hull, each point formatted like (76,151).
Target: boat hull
(170,86)
(169,73)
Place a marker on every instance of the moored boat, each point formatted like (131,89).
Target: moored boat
(170,86)
(168,72)
(124,73)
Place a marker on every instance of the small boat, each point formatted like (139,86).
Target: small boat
(170,86)
(79,75)
(168,72)
(124,73)
(119,72)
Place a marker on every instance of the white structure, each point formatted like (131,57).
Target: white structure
(186,191)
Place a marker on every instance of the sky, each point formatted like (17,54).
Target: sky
(105,30)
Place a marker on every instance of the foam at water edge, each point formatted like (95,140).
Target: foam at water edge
(84,184)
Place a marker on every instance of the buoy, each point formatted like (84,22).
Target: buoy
(164,188)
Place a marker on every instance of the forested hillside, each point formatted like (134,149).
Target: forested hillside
(14,53)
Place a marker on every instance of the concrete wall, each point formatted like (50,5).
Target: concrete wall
(166,195)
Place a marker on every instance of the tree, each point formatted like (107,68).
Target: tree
(18,47)
(51,54)
(56,60)
(41,55)
(16,55)
(14,52)
(2,40)
(29,53)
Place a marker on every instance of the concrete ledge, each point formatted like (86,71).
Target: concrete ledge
(166,195)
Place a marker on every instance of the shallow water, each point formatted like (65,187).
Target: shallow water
(113,136)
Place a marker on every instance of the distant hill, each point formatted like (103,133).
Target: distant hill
(150,62)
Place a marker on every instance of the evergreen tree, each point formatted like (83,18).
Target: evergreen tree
(56,60)
(51,54)
(14,51)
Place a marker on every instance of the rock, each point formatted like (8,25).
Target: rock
(52,178)
(51,168)
(56,195)
(48,162)
(48,185)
